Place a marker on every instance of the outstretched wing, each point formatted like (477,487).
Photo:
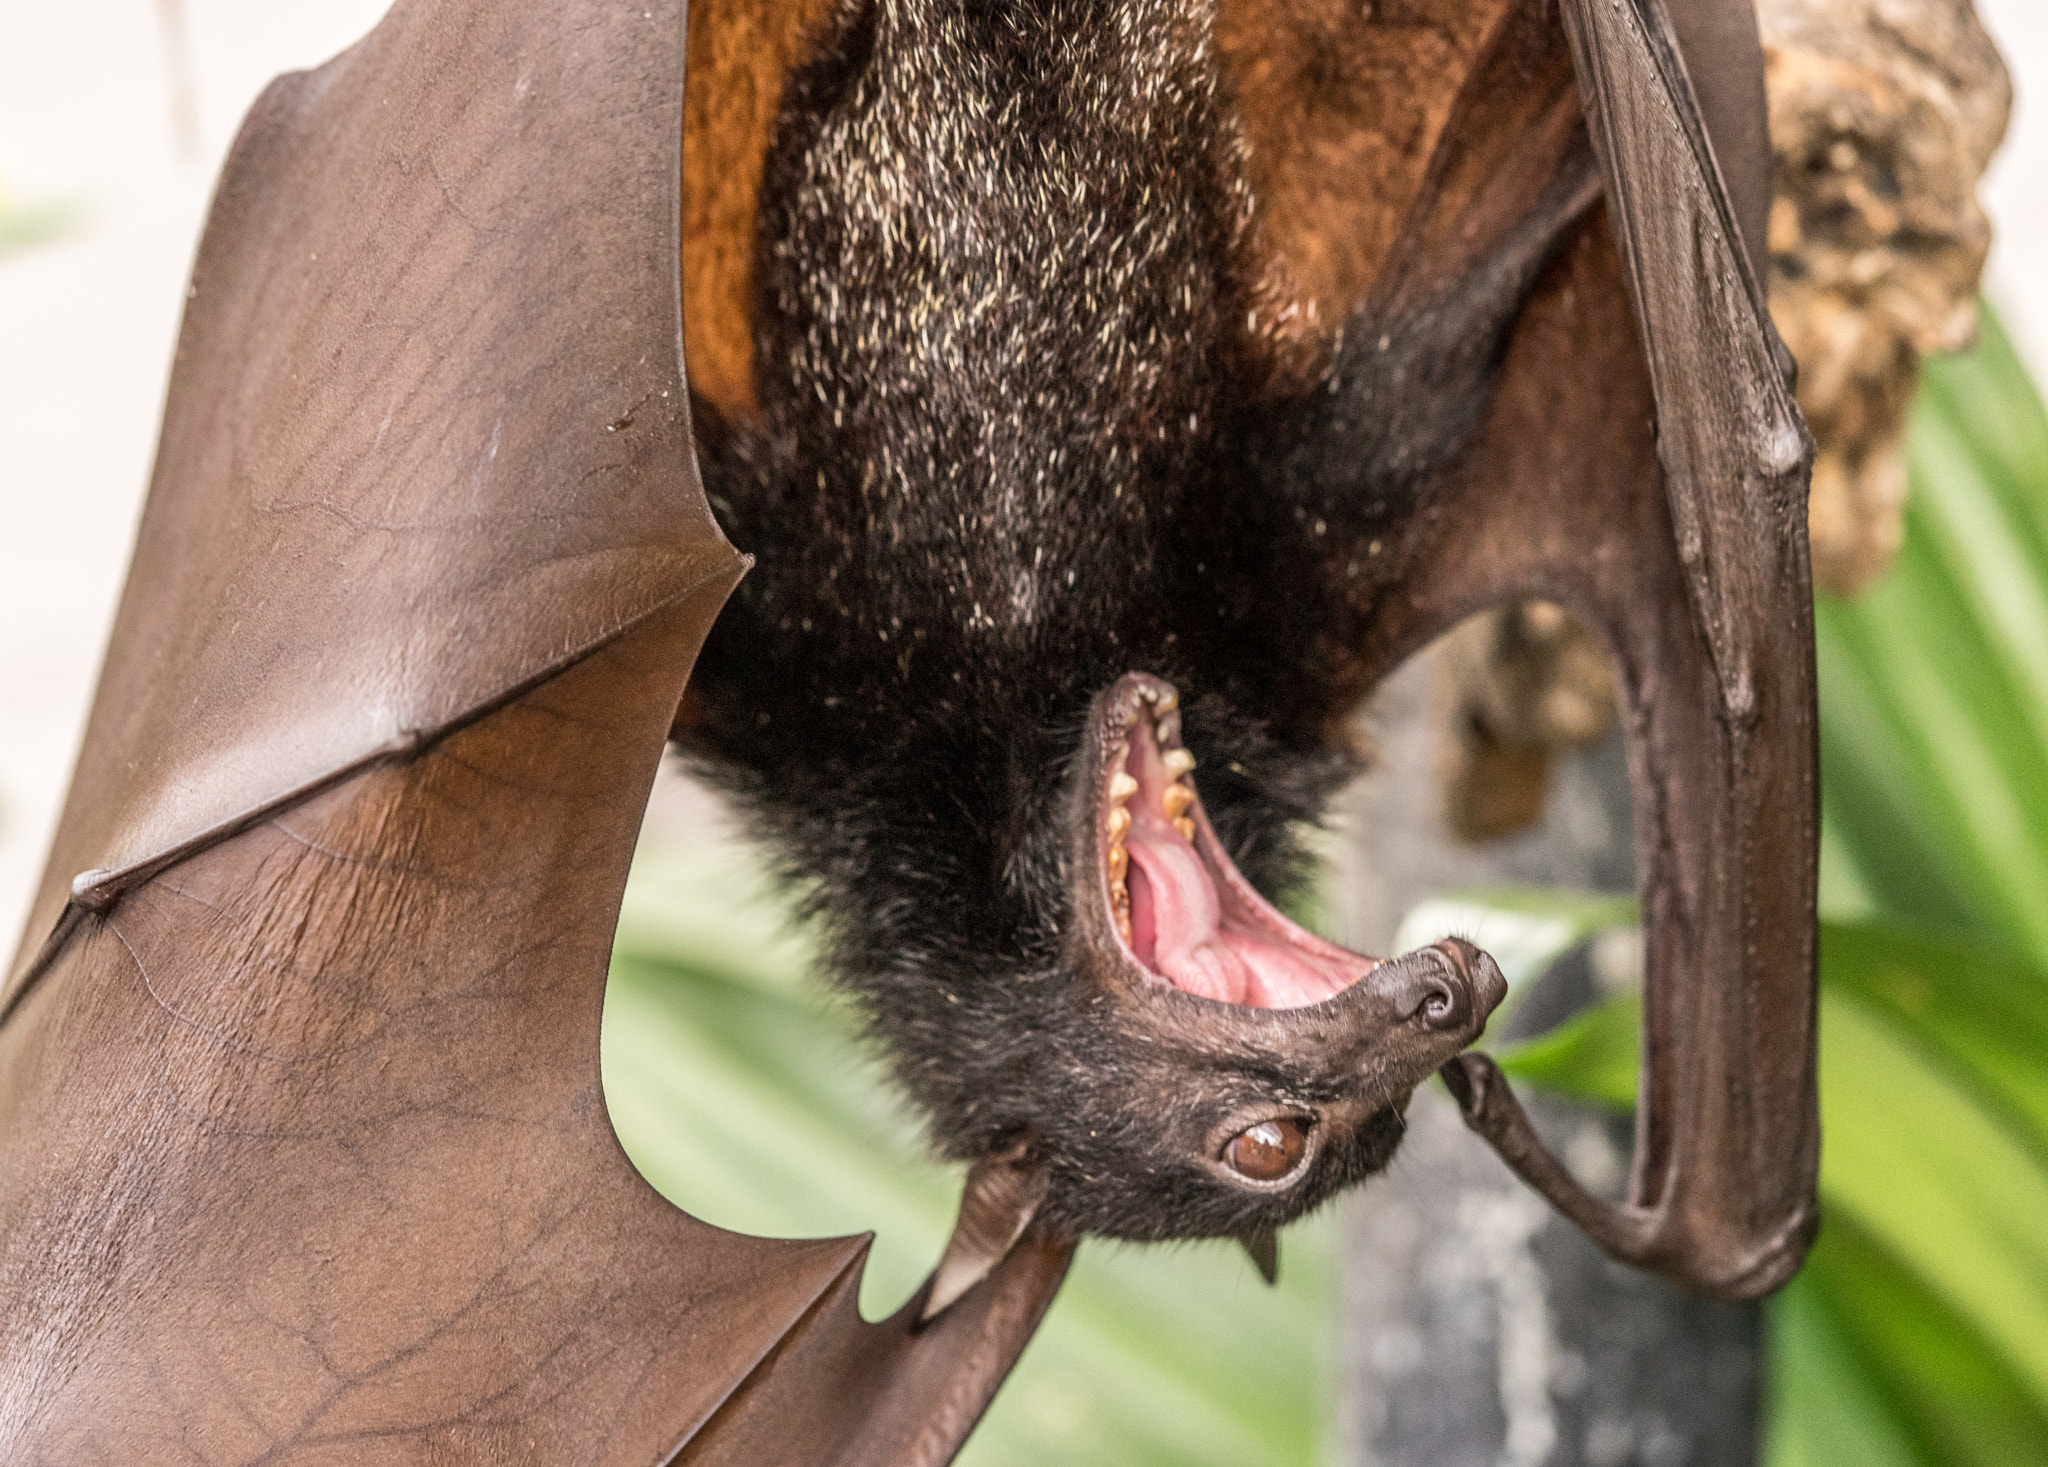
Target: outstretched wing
(1643,462)
(303,1148)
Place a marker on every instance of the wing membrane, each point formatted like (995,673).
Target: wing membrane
(305,1149)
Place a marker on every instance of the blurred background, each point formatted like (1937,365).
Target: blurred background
(1921,1335)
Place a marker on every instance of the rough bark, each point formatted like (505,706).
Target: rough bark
(1884,114)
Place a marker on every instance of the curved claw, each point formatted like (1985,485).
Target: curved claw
(1001,1197)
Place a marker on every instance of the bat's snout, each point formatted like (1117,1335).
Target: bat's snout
(1449,987)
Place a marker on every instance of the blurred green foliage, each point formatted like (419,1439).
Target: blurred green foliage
(24,226)
(1918,1334)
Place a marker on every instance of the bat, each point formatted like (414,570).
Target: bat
(303,1153)
(1032,504)
(984,499)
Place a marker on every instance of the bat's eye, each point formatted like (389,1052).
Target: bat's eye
(1268,1151)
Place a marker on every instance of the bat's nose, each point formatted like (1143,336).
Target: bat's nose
(1444,988)
(1483,981)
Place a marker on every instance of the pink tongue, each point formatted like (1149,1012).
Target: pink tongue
(1181,931)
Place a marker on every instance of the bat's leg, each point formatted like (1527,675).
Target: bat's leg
(1418,359)
(1413,374)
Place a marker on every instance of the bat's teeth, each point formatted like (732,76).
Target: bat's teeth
(1186,827)
(1121,787)
(1176,800)
(1119,863)
(1178,762)
(1168,701)
(1123,924)
(1119,823)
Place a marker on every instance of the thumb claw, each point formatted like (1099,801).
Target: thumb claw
(1002,1195)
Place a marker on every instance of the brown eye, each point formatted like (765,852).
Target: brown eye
(1268,1151)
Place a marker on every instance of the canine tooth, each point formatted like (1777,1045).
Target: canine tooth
(1119,823)
(1178,762)
(1123,926)
(1176,800)
(1122,786)
(1168,701)
(1186,827)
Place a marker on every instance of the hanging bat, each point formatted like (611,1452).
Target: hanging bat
(1086,451)
(1033,504)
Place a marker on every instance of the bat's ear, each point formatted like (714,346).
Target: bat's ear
(1003,1194)
(1263,1244)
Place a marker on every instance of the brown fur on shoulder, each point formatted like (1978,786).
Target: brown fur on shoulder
(740,52)
(1341,106)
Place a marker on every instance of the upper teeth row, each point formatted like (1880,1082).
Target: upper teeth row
(1174,802)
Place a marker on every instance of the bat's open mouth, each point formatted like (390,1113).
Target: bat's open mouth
(1180,907)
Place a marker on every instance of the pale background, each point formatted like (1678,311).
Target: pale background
(88,116)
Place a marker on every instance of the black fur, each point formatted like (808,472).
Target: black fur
(1006,453)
